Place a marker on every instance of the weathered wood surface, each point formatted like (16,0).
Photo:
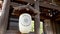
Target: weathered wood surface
(47,5)
(37,24)
(37,19)
(53,26)
(48,26)
(4,16)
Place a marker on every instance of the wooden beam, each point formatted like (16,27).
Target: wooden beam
(29,1)
(49,6)
(43,4)
(27,6)
(15,4)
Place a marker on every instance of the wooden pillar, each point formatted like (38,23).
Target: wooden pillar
(54,26)
(4,16)
(37,19)
(47,26)
(37,24)
(5,10)
(37,4)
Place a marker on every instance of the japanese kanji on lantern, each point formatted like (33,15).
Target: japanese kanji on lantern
(25,23)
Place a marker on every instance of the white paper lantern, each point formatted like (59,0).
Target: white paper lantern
(25,23)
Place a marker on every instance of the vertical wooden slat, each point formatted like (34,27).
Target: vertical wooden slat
(48,26)
(4,16)
(37,19)
(54,27)
(53,22)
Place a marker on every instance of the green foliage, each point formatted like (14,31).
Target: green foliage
(32,29)
(41,27)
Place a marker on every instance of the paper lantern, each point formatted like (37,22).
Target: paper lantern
(25,23)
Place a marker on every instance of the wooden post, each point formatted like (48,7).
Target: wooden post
(37,5)
(53,26)
(4,16)
(37,24)
(48,26)
(37,19)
